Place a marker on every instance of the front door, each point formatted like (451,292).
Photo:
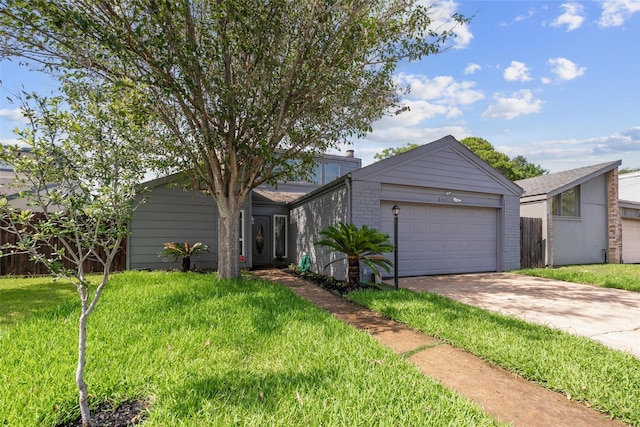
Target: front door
(261,241)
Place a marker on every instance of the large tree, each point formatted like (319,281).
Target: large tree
(247,91)
(514,169)
(80,174)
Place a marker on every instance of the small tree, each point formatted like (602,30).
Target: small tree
(82,173)
(364,245)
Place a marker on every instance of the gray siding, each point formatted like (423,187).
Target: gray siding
(309,218)
(445,168)
(401,193)
(582,240)
(174,215)
(365,203)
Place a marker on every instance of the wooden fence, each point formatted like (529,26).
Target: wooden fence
(532,245)
(22,265)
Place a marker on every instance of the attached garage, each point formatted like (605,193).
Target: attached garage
(441,239)
(457,213)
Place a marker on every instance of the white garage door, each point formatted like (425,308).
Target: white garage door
(631,241)
(436,239)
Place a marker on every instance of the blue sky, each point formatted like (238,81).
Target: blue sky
(555,81)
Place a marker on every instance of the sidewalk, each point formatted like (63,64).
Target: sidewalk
(504,395)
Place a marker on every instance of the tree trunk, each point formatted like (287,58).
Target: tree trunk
(186,264)
(228,240)
(82,360)
(354,269)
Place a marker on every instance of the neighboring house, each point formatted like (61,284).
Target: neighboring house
(457,214)
(8,186)
(580,214)
(630,212)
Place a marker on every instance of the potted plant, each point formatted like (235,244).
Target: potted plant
(184,251)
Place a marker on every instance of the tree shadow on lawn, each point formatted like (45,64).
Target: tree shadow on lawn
(266,306)
(19,304)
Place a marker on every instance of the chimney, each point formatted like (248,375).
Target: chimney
(349,153)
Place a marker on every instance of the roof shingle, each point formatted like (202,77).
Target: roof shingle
(557,182)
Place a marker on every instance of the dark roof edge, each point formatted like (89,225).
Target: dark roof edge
(605,168)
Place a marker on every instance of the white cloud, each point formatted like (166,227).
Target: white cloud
(518,104)
(530,14)
(14,115)
(573,16)
(517,71)
(443,90)
(559,155)
(418,112)
(472,68)
(616,12)
(565,69)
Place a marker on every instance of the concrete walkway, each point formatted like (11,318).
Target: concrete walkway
(610,316)
(504,395)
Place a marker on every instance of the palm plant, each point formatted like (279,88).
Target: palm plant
(184,251)
(359,245)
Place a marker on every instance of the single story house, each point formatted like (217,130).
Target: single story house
(580,214)
(457,214)
(630,212)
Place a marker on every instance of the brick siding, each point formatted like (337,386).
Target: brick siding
(615,223)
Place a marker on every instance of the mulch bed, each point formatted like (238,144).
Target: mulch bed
(336,287)
(127,414)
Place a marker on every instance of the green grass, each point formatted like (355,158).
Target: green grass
(210,353)
(619,276)
(583,369)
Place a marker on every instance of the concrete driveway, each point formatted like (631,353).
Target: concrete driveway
(610,316)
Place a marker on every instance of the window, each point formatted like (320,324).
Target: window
(316,178)
(280,236)
(241,239)
(630,213)
(567,203)
(331,172)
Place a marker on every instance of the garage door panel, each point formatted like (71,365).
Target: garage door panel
(631,241)
(443,239)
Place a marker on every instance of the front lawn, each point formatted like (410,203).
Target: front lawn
(619,276)
(208,353)
(582,369)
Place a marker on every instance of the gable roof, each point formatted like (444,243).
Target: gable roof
(547,186)
(424,163)
(629,187)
